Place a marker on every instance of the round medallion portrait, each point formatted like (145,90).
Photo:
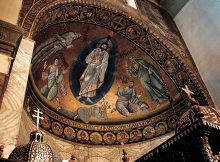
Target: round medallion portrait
(172,121)
(160,54)
(149,132)
(161,128)
(45,123)
(69,133)
(133,31)
(171,66)
(135,135)
(109,138)
(96,138)
(123,137)
(57,128)
(87,13)
(82,136)
(144,42)
(103,17)
(182,78)
(72,11)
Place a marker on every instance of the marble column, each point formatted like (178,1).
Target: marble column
(12,103)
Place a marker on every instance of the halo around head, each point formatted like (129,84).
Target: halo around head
(106,41)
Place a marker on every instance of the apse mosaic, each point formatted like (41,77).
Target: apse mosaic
(102,79)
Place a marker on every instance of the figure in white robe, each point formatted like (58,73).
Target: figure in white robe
(94,74)
(54,74)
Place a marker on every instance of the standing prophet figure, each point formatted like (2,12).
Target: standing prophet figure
(94,74)
(150,80)
(54,74)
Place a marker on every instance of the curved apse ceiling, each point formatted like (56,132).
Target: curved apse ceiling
(100,78)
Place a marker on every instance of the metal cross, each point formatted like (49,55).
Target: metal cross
(188,92)
(38,117)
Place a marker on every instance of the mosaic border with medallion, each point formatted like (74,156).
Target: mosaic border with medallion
(72,131)
(146,40)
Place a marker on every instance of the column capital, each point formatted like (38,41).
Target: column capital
(10,38)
